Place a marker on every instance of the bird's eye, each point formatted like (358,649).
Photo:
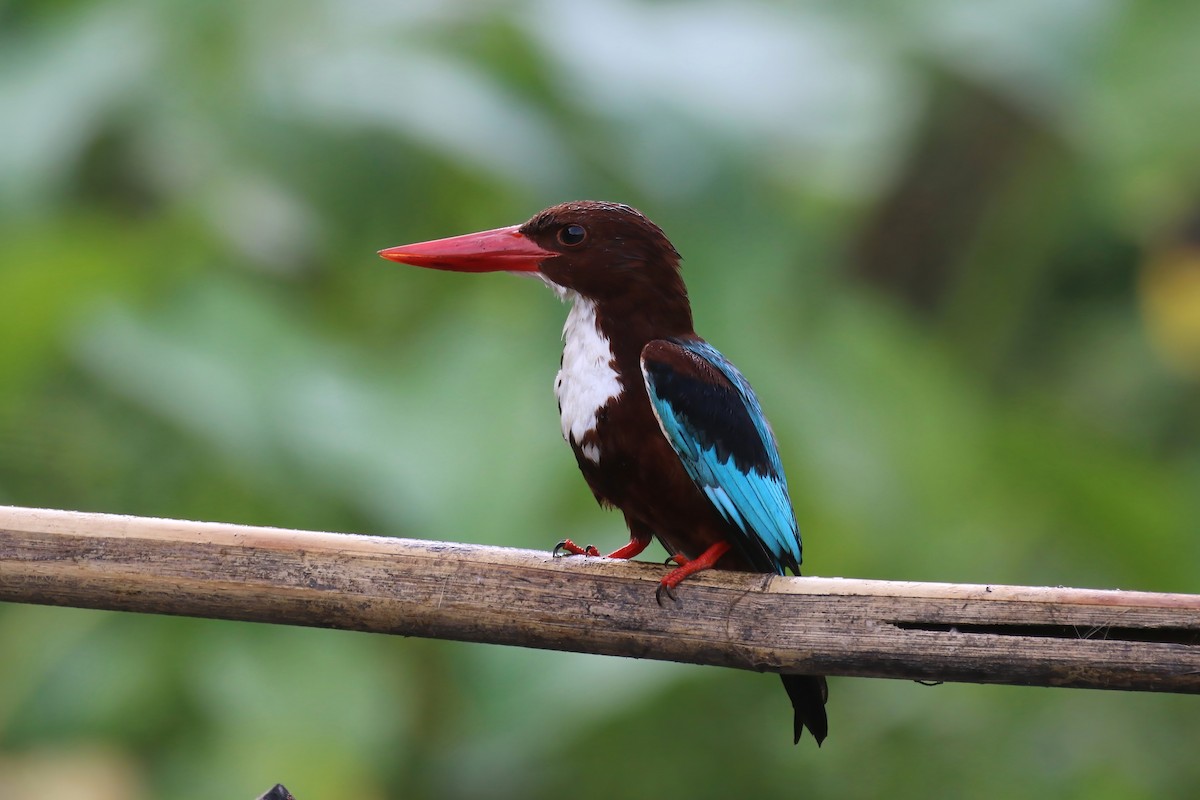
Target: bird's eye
(571,235)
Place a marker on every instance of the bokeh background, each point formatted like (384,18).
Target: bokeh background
(955,246)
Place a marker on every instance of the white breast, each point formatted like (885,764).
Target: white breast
(587,380)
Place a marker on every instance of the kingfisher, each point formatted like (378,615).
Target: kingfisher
(663,427)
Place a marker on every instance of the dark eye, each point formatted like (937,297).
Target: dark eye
(571,235)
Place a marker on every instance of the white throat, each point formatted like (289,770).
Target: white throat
(587,380)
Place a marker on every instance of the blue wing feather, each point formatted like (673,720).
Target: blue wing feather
(714,422)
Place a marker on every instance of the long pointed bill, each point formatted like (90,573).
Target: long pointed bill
(502,249)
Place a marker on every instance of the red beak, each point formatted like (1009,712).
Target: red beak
(502,249)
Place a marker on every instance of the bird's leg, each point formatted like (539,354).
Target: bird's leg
(688,566)
(639,538)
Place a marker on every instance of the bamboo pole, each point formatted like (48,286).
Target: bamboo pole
(834,626)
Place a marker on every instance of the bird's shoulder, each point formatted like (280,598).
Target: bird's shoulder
(692,357)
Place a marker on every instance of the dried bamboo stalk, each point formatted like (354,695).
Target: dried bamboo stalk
(930,631)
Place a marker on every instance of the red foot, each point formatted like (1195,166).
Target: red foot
(705,560)
(566,546)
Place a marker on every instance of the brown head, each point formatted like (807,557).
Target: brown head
(606,252)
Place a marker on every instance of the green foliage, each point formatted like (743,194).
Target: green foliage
(927,233)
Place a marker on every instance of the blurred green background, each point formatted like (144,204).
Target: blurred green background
(956,248)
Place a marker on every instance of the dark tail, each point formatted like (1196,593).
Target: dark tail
(808,694)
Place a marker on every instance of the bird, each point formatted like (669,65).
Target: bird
(663,427)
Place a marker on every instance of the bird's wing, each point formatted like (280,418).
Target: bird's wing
(709,414)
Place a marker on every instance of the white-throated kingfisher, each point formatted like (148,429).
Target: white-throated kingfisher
(662,425)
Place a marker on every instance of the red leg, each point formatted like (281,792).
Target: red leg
(639,537)
(705,560)
(637,543)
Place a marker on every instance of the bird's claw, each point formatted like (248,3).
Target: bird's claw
(669,591)
(568,548)
(677,560)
